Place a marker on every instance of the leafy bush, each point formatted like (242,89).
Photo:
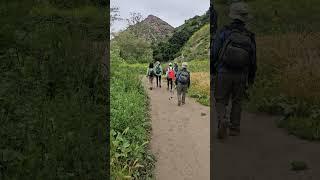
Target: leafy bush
(52,95)
(130,124)
(133,49)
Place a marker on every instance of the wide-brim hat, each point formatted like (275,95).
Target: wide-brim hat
(184,65)
(239,10)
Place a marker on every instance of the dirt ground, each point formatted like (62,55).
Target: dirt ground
(181,144)
(263,152)
(180,137)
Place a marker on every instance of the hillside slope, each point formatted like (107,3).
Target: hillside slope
(197,47)
(170,49)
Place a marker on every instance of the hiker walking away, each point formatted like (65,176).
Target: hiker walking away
(150,74)
(234,65)
(170,76)
(158,71)
(176,69)
(183,83)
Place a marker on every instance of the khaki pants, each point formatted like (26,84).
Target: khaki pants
(229,85)
(181,92)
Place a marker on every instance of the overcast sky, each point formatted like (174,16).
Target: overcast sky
(173,12)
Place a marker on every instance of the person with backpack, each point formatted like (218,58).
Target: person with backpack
(158,71)
(150,74)
(170,76)
(233,66)
(183,83)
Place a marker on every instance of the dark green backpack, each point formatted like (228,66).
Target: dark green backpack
(183,77)
(151,72)
(235,52)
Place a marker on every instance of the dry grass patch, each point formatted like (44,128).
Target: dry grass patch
(200,87)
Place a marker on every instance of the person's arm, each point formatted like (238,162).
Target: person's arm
(217,45)
(147,72)
(253,67)
(161,71)
(189,80)
(176,79)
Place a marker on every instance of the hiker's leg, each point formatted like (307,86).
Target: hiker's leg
(171,84)
(179,93)
(238,89)
(157,80)
(160,80)
(168,83)
(184,91)
(222,93)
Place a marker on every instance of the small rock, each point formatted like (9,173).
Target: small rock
(203,114)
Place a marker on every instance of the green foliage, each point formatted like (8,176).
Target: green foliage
(280,16)
(169,50)
(130,124)
(133,48)
(52,95)
(200,82)
(298,166)
(197,46)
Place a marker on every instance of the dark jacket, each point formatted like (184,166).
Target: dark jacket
(183,69)
(221,36)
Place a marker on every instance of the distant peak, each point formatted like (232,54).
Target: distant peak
(152,16)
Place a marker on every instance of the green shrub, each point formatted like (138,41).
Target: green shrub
(53,93)
(130,123)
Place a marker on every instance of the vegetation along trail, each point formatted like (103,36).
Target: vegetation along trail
(180,137)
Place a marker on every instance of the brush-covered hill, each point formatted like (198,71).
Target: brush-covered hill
(197,47)
(171,49)
(153,29)
(135,42)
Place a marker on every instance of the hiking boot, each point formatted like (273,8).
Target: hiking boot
(160,86)
(222,131)
(183,103)
(234,131)
(179,103)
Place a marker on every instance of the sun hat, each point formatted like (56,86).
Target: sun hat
(239,10)
(184,65)
(170,64)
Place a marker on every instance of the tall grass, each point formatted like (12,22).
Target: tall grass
(200,81)
(52,97)
(130,123)
(288,81)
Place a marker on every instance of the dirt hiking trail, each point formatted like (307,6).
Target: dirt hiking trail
(181,144)
(180,136)
(263,152)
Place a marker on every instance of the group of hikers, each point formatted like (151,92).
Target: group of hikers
(180,78)
(232,69)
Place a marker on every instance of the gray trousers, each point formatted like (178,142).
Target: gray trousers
(229,85)
(181,92)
